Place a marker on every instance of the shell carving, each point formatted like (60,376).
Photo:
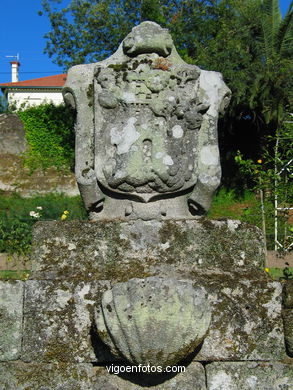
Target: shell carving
(154,321)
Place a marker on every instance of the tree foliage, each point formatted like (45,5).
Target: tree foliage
(87,31)
(90,30)
(247,41)
(272,90)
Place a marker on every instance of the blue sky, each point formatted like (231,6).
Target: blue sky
(22,31)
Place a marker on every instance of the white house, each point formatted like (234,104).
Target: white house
(33,92)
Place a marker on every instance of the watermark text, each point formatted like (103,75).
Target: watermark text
(143,369)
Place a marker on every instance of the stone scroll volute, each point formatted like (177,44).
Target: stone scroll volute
(146,130)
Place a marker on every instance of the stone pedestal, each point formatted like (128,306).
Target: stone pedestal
(53,343)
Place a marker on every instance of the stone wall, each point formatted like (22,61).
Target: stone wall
(12,135)
(49,339)
(14,176)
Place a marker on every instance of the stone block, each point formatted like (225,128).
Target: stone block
(246,319)
(58,321)
(154,321)
(37,376)
(288,330)
(12,135)
(249,375)
(193,378)
(11,309)
(118,251)
(220,256)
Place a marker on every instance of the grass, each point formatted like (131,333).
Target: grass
(14,206)
(14,275)
(247,208)
(277,273)
(230,205)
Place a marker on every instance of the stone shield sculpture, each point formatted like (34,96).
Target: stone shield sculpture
(146,130)
(154,321)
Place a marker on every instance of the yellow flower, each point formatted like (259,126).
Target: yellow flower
(64,215)
(267,270)
(259,161)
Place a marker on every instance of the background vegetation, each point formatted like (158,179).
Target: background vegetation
(249,42)
(18,215)
(50,136)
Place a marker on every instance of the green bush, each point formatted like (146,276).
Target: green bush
(15,237)
(50,136)
(247,208)
(18,215)
(227,203)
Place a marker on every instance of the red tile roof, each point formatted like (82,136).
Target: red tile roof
(49,81)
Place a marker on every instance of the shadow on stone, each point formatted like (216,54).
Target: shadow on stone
(118,367)
(101,350)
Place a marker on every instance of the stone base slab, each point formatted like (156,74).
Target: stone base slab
(214,376)
(58,320)
(36,376)
(246,376)
(192,379)
(117,250)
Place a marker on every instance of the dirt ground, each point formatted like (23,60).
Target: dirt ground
(275,260)
(13,263)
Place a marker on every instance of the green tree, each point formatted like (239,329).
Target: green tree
(271,94)
(251,45)
(88,31)
(247,41)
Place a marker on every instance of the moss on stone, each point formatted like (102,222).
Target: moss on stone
(90,95)
(33,376)
(118,67)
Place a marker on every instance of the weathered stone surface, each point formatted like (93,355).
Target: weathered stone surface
(58,319)
(288,330)
(156,321)
(37,376)
(12,135)
(192,379)
(246,319)
(118,251)
(146,144)
(246,376)
(11,309)
(288,294)
(220,256)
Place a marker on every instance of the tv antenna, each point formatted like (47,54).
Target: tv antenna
(16,57)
